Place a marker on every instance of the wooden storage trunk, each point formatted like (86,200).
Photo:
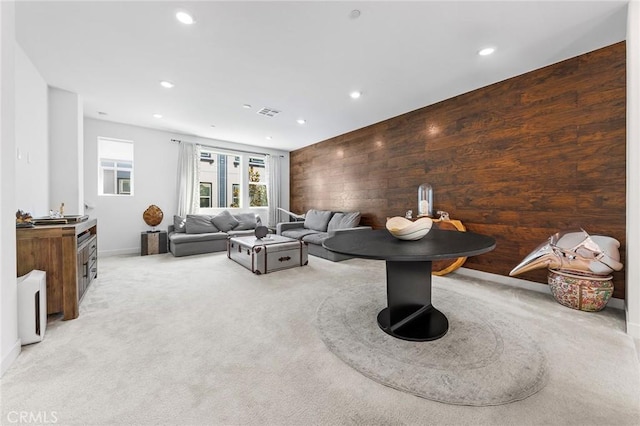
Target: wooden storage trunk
(267,255)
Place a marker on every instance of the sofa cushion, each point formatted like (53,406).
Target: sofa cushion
(179,238)
(245,221)
(179,224)
(344,221)
(298,233)
(225,221)
(316,238)
(199,224)
(317,220)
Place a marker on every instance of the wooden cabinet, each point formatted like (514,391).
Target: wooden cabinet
(87,263)
(68,254)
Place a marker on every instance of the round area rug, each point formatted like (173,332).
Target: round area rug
(484,359)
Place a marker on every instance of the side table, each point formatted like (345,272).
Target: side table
(153,242)
(443,267)
(409,314)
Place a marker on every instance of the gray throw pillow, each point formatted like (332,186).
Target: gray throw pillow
(317,220)
(344,221)
(179,224)
(246,221)
(225,221)
(200,224)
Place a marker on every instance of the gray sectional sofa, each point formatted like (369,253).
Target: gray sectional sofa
(200,233)
(319,225)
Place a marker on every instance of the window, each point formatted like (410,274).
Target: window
(220,180)
(224,184)
(115,167)
(205,194)
(257,183)
(235,195)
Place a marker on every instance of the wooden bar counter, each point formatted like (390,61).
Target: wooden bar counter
(68,254)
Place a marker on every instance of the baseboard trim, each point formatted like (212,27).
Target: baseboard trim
(633,329)
(529,285)
(10,357)
(118,252)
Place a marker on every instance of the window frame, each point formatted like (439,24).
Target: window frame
(234,201)
(210,185)
(260,164)
(119,183)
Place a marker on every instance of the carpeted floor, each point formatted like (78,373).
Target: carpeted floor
(200,340)
(484,359)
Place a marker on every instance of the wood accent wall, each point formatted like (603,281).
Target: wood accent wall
(518,160)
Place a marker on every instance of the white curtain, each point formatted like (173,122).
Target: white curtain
(273,189)
(188,184)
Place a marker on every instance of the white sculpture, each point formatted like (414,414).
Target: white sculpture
(574,251)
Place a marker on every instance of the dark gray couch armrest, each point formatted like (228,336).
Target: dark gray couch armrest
(283,226)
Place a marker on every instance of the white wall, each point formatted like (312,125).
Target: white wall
(155,177)
(66,176)
(32,140)
(9,342)
(632,298)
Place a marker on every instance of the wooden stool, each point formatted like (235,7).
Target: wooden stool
(443,267)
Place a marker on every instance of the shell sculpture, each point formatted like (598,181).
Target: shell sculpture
(579,267)
(405,229)
(574,251)
(152,215)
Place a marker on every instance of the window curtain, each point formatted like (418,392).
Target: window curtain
(273,188)
(188,184)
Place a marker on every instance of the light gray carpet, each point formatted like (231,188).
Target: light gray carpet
(484,359)
(199,340)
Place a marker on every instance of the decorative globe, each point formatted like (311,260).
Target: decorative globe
(152,215)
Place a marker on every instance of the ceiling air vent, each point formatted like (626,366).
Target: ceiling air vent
(268,112)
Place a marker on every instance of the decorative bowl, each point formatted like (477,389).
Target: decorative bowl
(585,292)
(405,229)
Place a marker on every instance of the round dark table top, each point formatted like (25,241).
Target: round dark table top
(436,245)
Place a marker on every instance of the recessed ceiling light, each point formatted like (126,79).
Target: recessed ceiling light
(486,51)
(157,115)
(166,84)
(213,125)
(355,94)
(185,18)
(247,106)
(102,113)
(355,14)
(301,120)
(269,138)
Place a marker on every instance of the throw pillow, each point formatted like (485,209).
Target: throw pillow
(344,221)
(179,224)
(245,221)
(225,221)
(200,224)
(317,220)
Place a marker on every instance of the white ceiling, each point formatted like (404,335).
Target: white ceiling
(302,58)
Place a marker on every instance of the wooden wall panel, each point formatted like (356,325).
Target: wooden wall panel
(518,160)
